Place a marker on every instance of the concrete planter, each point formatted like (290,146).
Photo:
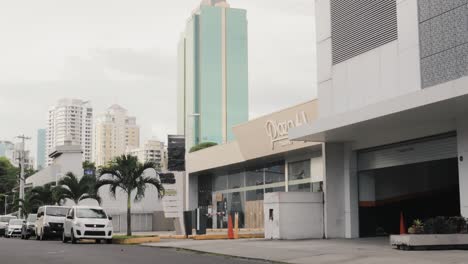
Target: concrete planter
(136,240)
(425,241)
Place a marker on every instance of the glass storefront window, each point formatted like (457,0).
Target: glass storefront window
(274,174)
(305,187)
(299,170)
(220,182)
(254,195)
(254,178)
(276,189)
(236,180)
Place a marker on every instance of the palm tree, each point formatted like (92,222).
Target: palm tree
(127,174)
(70,187)
(43,195)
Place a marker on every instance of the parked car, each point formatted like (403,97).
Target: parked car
(86,222)
(50,220)
(4,219)
(29,227)
(14,227)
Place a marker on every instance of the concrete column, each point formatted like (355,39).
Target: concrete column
(351,194)
(341,191)
(192,196)
(333,190)
(462,144)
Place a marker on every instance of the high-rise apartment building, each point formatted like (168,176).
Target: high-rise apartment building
(114,133)
(7,149)
(213,73)
(151,151)
(70,119)
(41,148)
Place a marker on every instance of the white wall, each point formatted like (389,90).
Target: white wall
(296,215)
(341,192)
(462,139)
(386,72)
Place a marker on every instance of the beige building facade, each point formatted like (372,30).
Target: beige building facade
(114,132)
(234,177)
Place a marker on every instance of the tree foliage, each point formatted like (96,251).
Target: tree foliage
(127,174)
(43,195)
(70,187)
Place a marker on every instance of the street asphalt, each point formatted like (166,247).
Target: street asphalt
(17,251)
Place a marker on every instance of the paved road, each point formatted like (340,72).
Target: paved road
(19,251)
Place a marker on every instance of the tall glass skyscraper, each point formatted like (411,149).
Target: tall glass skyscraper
(42,154)
(213,73)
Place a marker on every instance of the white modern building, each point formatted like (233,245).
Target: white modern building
(70,119)
(21,153)
(114,132)
(7,149)
(151,151)
(65,158)
(392,105)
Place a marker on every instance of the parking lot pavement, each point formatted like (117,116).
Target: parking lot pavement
(17,251)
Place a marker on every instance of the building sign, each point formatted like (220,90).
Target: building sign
(173,196)
(278,131)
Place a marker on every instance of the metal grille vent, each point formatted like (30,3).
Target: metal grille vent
(361,25)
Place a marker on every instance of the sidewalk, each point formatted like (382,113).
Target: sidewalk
(354,251)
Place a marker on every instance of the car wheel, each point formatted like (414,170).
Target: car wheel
(64,238)
(109,241)
(73,239)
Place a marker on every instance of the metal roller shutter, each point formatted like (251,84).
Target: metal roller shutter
(443,147)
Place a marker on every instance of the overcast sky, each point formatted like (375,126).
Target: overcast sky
(125,52)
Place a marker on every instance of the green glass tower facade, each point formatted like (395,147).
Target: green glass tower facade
(213,74)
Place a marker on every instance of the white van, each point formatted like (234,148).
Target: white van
(50,220)
(87,222)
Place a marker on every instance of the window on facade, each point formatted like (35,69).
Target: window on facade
(299,170)
(274,174)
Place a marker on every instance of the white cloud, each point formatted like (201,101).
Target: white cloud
(124,51)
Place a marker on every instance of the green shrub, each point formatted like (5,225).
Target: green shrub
(445,225)
(201,146)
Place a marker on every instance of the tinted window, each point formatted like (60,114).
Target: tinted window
(6,219)
(16,222)
(57,211)
(90,213)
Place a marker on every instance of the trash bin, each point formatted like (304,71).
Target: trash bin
(188,222)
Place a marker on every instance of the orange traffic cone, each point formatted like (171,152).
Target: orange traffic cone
(230,228)
(402,224)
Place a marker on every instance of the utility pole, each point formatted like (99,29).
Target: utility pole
(22,178)
(5,196)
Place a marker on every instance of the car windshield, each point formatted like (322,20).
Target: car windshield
(15,222)
(90,213)
(32,217)
(6,219)
(57,211)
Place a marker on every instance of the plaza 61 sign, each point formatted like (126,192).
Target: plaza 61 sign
(278,131)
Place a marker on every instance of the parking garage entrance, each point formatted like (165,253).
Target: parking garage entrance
(418,179)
